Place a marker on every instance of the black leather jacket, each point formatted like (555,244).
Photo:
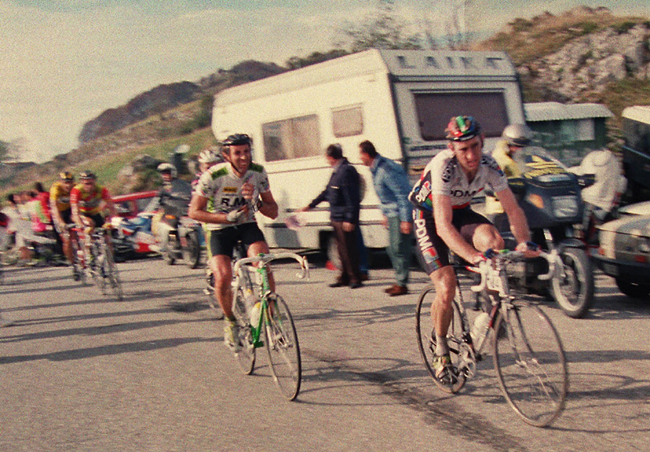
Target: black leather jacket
(342,193)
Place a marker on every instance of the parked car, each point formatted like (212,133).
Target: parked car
(128,206)
(624,251)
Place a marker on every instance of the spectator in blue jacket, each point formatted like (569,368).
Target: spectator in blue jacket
(392,187)
(342,193)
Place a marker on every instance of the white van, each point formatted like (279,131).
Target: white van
(401,100)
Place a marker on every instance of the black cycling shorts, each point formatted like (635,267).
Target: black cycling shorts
(98,219)
(66,216)
(222,241)
(431,250)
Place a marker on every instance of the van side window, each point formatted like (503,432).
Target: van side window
(347,122)
(435,109)
(291,138)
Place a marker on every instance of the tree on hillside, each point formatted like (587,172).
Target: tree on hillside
(382,29)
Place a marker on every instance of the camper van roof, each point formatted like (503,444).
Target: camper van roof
(402,65)
(639,113)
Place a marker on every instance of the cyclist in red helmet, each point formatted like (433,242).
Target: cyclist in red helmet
(444,221)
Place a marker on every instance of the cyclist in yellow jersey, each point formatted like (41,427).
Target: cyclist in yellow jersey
(62,213)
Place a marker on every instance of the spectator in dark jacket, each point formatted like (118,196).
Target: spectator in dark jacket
(342,194)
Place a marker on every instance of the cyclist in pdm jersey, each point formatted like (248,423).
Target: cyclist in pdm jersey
(225,200)
(444,220)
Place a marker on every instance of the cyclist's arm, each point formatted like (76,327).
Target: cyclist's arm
(516,216)
(269,207)
(74,207)
(197,211)
(443,214)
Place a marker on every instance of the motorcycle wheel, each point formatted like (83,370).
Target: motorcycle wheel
(192,250)
(169,255)
(575,291)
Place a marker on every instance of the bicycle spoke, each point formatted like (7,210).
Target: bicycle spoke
(282,346)
(246,355)
(530,363)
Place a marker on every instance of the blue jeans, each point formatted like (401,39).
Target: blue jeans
(399,250)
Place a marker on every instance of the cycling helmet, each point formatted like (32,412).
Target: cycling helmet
(518,135)
(237,139)
(207,156)
(462,128)
(167,167)
(87,174)
(66,176)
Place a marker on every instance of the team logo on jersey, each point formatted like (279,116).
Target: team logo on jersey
(447,173)
(492,164)
(423,192)
(230,190)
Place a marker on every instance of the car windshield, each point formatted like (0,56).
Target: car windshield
(535,162)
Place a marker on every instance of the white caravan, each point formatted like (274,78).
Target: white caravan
(401,100)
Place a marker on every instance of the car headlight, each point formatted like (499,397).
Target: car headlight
(565,206)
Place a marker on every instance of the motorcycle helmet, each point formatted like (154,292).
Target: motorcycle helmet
(518,135)
(208,156)
(167,167)
(462,128)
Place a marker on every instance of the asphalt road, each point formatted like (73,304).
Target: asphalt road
(82,372)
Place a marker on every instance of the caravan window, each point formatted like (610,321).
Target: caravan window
(291,138)
(637,135)
(347,122)
(435,109)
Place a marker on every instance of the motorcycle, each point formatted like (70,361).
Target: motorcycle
(550,197)
(179,236)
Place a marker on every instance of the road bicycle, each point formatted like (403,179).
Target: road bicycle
(264,315)
(527,351)
(99,261)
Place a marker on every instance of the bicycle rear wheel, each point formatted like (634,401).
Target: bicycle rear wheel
(530,364)
(426,337)
(282,346)
(246,354)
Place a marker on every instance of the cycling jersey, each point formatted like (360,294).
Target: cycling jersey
(89,203)
(60,197)
(444,176)
(222,187)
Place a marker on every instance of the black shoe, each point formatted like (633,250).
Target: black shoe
(337,284)
(356,285)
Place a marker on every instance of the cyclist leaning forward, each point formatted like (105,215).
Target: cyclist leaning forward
(88,201)
(225,199)
(62,214)
(444,220)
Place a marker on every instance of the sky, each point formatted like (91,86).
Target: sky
(63,62)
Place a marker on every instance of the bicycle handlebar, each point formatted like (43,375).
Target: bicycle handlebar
(507,256)
(266,258)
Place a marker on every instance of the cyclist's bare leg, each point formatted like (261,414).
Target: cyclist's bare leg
(67,246)
(222,271)
(444,280)
(261,247)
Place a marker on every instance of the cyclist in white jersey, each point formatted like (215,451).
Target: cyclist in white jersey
(225,200)
(444,220)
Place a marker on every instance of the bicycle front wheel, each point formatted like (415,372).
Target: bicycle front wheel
(246,354)
(530,364)
(112,275)
(282,346)
(426,337)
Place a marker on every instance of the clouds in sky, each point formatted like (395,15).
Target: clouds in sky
(66,61)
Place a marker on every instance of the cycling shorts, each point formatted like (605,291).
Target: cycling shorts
(98,219)
(431,250)
(222,241)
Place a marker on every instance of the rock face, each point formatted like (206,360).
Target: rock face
(588,63)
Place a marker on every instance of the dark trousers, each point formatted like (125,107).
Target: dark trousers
(348,252)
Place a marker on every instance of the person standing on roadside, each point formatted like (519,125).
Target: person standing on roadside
(392,187)
(342,193)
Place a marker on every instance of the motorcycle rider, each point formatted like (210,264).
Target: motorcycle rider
(207,158)
(514,138)
(174,198)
